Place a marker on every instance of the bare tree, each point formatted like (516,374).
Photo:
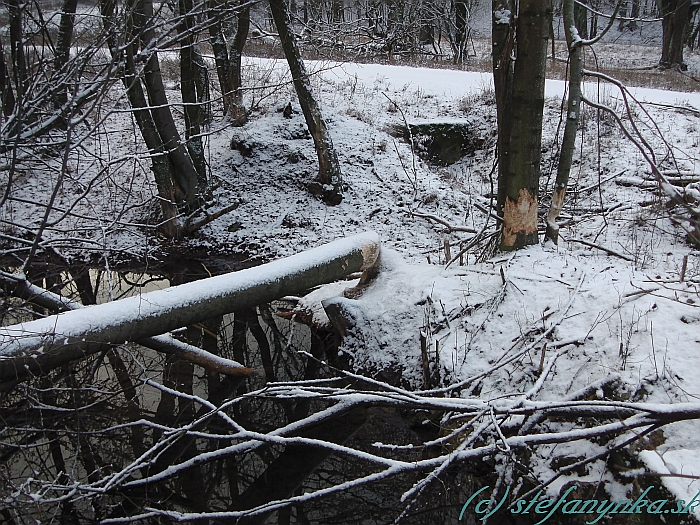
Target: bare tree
(576,44)
(632,131)
(194,87)
(63,46)
(228,60)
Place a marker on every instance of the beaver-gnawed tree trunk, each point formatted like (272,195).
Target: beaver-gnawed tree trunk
(573,112)
(520,102)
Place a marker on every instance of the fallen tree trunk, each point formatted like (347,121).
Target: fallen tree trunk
(165,344)
(677,177)
(38,346)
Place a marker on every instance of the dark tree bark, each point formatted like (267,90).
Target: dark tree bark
(7,95)
(581,20)
(594,25)
(675,15)
(628,11)
(228,64)
(256,330)
(160,164)
(19,66)
(503,37)
(461,30)
(179,182)
(520,133)
(623,15)
(62,53)
(187,182)
(329,182)
(337,13)
(234,81)
(634,14)
(194,85)
(503,31)
(217,39)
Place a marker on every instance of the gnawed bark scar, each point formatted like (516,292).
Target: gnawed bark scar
(519,217)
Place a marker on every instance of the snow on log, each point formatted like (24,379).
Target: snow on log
(166,343)
(36,346)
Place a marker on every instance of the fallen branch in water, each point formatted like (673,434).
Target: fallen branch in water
(166,344)
(36,347)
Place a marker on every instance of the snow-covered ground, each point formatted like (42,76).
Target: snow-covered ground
(626,313)
(629,317)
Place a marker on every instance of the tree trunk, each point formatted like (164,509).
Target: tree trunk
(461,30)
(520,151)
(166,344)
(171,226)
(218,44)
(177,180)
(19,66)
(329,182)
(623,15)
(336,12)
(573,42)
(194,86)
(675,14)
(634,14)
(62,54)
(503,32)
(228,65)
(581,20)
(188,184)
(238,113)
(692,38)
(7,96)
(593,27)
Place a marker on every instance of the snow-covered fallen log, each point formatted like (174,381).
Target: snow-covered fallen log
(37,346)
(690,193)
(165,343)
(676,177)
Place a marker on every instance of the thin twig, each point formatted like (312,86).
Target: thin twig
(602,248)
(450,227)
